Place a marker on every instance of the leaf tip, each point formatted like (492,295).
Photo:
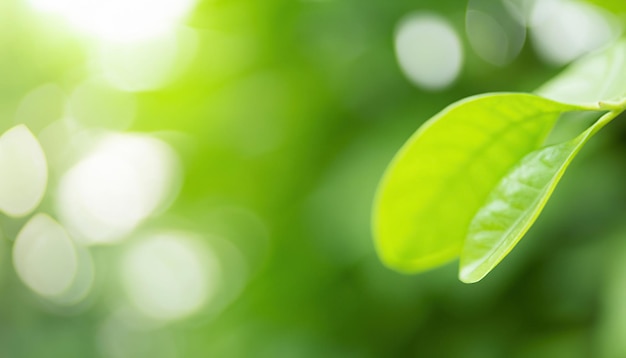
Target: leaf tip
(470,276)
(473,271)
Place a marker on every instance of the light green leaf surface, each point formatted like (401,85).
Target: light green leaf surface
(442,176)
(600,77)
(515,203)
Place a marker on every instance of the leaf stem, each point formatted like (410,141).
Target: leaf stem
(613,105)
(606,118)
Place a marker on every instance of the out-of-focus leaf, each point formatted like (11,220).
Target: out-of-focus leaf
(442,176)
(599,77)
(515,203)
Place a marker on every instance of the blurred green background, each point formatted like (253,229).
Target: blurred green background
(255,133)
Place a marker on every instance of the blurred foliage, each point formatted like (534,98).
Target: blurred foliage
(284,120)
(613,5)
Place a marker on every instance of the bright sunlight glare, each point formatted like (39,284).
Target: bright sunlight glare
(44,256)
(121,182)
(170,275)
(119,20)
(429,50)
(148,64)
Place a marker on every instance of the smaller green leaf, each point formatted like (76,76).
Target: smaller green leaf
(515,203)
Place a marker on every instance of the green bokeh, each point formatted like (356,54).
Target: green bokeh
(285,120)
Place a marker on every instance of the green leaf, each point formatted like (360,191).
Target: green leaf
(600,77)
(443,174)
(515,203)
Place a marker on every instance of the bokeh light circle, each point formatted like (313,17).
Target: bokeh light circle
(170,275)
(563,30)
(24,172)
(44,256)
(428,50)
(117,185)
